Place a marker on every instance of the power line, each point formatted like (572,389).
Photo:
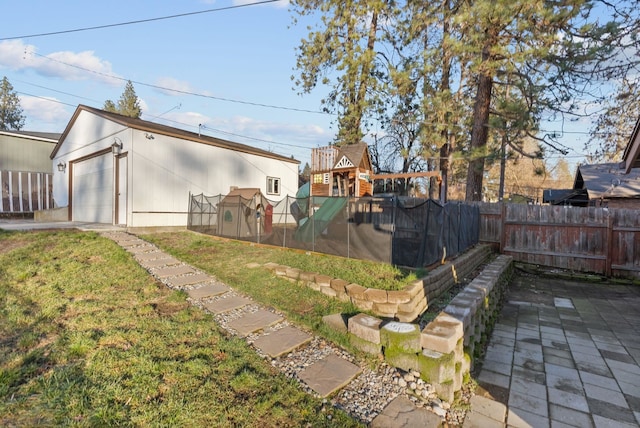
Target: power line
(255,104)
(47,99)
(139,21)
(179,91)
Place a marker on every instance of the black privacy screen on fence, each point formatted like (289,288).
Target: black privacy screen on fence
(401,231)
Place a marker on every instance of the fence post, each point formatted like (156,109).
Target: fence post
(609,254)
(503,229)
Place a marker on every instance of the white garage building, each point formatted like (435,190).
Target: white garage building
(114,169)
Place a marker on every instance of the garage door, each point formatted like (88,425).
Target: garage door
(92,199)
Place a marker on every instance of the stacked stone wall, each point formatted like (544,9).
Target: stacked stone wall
(444,351)
(404,305)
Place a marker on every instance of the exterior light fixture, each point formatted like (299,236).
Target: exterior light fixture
(62,166)
(116,147)
(148,136)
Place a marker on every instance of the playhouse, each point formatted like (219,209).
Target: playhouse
(244,213)
(341,171)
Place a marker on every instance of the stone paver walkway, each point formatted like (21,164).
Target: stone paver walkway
(324,376)
(562,354)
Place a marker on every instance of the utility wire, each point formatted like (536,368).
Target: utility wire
(179,91)
(139,21)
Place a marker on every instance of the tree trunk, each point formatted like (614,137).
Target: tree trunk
(480,130)
(445,86)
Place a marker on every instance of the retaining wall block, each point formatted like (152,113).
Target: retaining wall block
(411,316)
(339,285)
(365,345)
(401,360)
(323,280)
(398,296)
(445,391)
(375,295)
(336,322)
(307,277)
(440,336)
(401,336)
(457,377)
(355,291)
(328,291)
(363,305)
(436,367)
(414,288)
(293,273)
(343,297)
(387,310)
(281,270)
(411,304)
(461,313)
(365,327)
(271,266)
(314,285)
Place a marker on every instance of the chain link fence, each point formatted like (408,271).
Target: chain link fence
(401,231)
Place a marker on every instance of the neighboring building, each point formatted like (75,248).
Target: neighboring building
(612,185)
(120,170)
(25,170)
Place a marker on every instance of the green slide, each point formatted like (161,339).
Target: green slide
(319,221)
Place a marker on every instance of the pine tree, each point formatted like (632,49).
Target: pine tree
(11,117)
(128,104)
(345,44)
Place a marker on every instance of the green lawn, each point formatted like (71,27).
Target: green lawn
(88,338)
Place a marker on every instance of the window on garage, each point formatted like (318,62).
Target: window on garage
(273,186)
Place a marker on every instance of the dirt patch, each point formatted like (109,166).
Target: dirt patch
(11,245)
(169,308)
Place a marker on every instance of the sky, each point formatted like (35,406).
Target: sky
(232,68)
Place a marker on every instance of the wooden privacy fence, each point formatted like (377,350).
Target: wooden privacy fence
(597,240)
(25,192)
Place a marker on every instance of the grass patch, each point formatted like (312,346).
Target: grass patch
(229,257)
(88,338)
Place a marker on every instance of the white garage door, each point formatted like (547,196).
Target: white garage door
(92,183)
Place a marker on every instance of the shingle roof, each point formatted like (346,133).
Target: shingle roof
(355,153)
(51,137)
(144,125)
(608,180)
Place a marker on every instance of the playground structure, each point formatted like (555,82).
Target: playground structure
(335,213)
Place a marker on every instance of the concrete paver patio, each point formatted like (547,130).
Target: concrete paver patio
(565,353)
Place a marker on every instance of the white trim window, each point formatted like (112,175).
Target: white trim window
(273,186)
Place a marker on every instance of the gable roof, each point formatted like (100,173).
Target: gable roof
(144,125)
(608,180)
(631,155)
(356,154)
(49,137)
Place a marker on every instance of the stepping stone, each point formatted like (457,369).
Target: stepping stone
(282,341)
(121,237)
(132,243)
(402,413)
(228,304)
(174,271)
(152,255)
(153,263)
(255,321)
(141,249)
(329,374)
(209,290)
(181,281)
